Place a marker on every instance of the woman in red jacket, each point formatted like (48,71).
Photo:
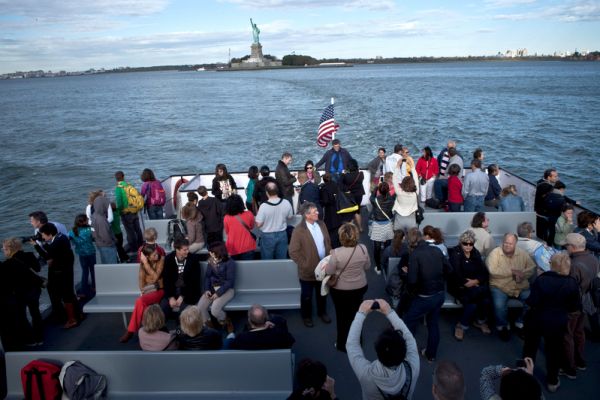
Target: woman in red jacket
(427,169)
(455,198)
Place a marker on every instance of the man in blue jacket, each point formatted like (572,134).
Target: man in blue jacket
(335,159)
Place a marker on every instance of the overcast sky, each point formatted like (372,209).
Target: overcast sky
(81,34)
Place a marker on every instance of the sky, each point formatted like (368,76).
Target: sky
(75,35)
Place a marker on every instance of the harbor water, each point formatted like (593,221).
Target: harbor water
(62,137)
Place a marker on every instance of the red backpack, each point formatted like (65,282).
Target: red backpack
(40,380)
(157,194)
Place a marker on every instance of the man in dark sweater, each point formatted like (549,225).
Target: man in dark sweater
(427,268)
(285,179)
(264,334)
(212,213)
(335,159)
(260,189)
(544,187)
(182,278)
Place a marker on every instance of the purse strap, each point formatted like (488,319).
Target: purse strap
(383,212)
(347,262)
(355,179)
(243,223)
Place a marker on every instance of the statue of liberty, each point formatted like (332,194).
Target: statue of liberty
(255,32)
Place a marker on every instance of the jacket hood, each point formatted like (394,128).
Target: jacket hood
(101,205)
(389,380)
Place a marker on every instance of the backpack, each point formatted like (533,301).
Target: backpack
(80,382)
(176,230)
(40,380)
(135,201)
(156,195)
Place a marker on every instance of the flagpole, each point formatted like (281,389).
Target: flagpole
(333,135)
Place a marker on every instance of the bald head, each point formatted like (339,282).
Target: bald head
(257,316)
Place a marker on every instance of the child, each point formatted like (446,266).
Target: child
(81,237)
(150,236)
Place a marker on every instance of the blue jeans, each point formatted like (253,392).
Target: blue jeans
(87,268)
(474,203)
(155,212)
(500,300)
(430,308)
(108,255)
(273,245)
(440,189)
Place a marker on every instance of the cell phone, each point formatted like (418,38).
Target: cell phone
(520,363)
(375,305)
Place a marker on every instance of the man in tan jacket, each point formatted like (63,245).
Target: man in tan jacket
(510,269)
(310,243)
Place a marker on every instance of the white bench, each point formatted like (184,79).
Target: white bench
(271,283)
(224,374)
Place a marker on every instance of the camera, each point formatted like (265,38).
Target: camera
(36,237)
(375,305)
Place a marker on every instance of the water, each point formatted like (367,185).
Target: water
(63,137)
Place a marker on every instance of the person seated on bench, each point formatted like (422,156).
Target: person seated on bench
(312,382)
(510,269)
(153,334)
(151,288)
(192,334)
(150,237)
(183,278)
(265,333)
(219,283)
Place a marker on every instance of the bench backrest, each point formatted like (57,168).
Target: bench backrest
(198,372)
(251,275)
(453,224)
(258,275)
(117,278)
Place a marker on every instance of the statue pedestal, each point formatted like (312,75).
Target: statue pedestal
(256,52)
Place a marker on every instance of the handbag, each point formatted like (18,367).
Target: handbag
(419,217)
(333,279)
(151,288)
(344,204)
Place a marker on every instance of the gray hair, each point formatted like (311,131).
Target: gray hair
(467,236)
(257,315)
(524,229)
(305,208)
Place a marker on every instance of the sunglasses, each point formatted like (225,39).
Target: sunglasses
(468,243)
(309,167)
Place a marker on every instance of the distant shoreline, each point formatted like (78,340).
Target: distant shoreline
(595,56)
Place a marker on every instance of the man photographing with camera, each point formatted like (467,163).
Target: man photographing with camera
(396,369)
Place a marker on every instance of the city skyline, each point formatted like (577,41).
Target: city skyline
(69,35)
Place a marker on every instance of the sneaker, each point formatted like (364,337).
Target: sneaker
(485,329)
(377,270)
(553,388)
(459,333)
(582,366)
(308,322)
(571,374)
(504,334)
(424,354)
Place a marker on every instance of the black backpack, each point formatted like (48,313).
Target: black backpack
(176,230)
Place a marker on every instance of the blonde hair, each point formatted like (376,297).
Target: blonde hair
(189,211)
(348,233)
(150,234)
(510,189)
(94,194)
(12,245)
(191,321)
(560,263)
(153,318)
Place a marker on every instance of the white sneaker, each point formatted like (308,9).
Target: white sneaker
(554,388)
(378,270)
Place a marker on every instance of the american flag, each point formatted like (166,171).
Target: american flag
(327,127)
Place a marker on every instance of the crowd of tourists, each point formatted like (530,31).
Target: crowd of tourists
(551,277)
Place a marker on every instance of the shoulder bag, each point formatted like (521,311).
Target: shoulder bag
(333,280)
(419,217)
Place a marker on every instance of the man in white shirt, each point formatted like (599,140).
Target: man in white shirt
(272,220)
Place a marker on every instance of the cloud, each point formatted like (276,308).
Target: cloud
(507,3)
(574,11)
(347,4)
(73,8)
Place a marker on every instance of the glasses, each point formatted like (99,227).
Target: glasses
(309,167)
(468,243)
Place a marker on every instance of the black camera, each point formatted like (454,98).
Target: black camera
(27,239)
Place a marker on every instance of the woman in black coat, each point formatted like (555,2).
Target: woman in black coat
(352,181)
(554,294)
(21,289)
(469,284)
(327,195)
